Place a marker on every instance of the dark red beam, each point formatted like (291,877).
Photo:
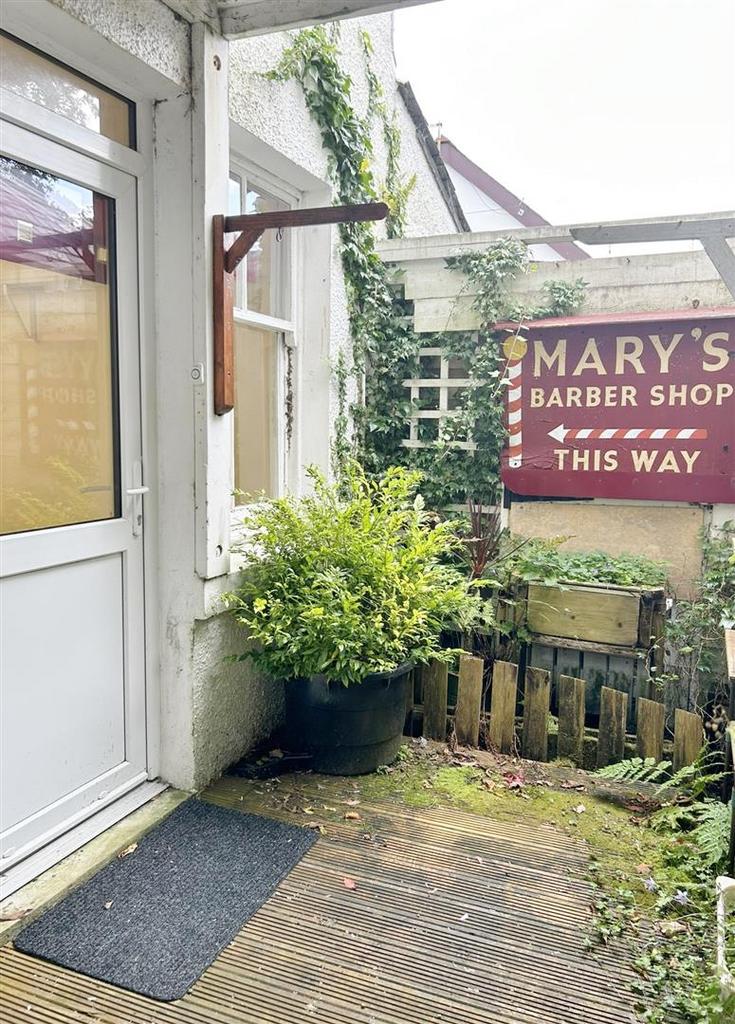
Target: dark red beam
(304,218)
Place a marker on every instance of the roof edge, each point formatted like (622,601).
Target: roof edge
(454,157)
(433,157)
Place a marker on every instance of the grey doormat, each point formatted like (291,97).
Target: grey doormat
(154,920)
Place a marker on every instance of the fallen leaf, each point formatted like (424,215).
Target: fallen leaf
(349,883)
(670,928)
(644,869)
(317,827)
(514,781)
(579,809)
(127,851)
(108,904)
(351,803)
(326,807)
(352,816)
(308,810)
(14,915)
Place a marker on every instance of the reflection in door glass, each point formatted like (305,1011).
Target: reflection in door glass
(28,73)
(57,434)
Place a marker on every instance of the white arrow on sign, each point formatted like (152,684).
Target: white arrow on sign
(562,434)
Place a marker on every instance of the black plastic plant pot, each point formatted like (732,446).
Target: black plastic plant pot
(348,730)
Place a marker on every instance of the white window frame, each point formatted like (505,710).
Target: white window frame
(285,330)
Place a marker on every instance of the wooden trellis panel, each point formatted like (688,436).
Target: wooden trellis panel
(442,385)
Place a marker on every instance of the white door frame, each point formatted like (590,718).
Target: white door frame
(61,36)
(27,552)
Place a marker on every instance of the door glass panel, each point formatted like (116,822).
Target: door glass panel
(58,393)
(29,73)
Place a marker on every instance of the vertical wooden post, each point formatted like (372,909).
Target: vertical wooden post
(688,738)
(469,697)
(535,741)
(223,300)
(650,729)
(571,718)
(611,734)
(435,678)
(501,734)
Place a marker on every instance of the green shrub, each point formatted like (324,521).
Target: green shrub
(351,580)
(541,561)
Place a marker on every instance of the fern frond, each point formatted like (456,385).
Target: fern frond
(712,834)
(696,777)
(635,769)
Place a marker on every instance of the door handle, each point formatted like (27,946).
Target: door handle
(136,493)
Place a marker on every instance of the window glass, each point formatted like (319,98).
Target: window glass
(263,278)
(57,386)
(28,73)
(256,423)
(267,263)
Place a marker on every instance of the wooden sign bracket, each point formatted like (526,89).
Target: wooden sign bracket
(250,227)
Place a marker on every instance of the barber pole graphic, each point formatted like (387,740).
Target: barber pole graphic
(514,349)
(563,434)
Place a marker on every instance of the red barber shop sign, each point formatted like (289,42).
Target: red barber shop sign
(638,407)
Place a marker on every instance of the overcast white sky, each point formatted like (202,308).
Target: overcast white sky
(587,109)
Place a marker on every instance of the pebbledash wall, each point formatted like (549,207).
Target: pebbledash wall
(233,707)
(202,101)
(678,281)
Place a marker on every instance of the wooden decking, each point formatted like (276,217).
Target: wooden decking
(454,918)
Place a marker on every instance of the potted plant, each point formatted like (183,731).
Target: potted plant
(346,589)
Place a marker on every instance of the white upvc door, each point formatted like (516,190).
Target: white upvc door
(72,644)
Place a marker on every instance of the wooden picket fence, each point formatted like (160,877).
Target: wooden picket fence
(500,726)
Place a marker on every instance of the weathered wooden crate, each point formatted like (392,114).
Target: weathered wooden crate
(608,635)
(593,613)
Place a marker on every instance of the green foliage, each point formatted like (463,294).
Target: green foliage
(340,443)
(694,633)
(351,580)
(491,271)
(382,343)
(313,61)
(706,826)
(385,349)
(636,769)
(541,560)
(396,188)
(494,269)
(454,475)
(677,964)
(674,895)
(695,779)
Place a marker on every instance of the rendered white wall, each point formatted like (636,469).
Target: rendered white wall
(276,112)
(233,707)
(148,30)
